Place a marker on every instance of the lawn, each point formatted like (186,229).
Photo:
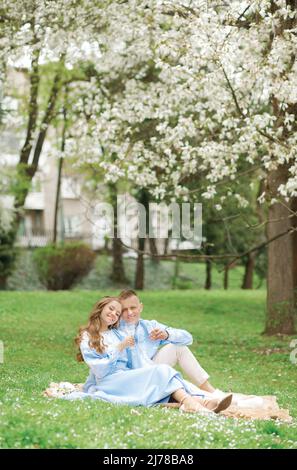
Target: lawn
(37,329)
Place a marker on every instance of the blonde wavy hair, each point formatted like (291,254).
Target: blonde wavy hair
(93,328)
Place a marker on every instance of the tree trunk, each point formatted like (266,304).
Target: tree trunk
(60,166)
(57,202)
(3,282)
(226,277)
(23,166)
(33,108)
(294,243)
(139,273)
(176,272)
(249,271)
(49,114)
(208,280)
(142,198)
(282,260)
(118,270)
(154,250)
(166,245)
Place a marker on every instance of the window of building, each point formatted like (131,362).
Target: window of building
(72,225)
(70,188)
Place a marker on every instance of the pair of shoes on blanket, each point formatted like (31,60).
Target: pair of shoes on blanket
(217,405)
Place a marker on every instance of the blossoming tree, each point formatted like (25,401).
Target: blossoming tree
(190,89)
(199,90)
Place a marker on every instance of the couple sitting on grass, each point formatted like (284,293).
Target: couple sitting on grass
(127,366)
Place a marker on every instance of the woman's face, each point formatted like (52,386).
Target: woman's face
(111,313)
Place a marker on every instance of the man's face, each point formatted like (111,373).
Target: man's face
(131,309)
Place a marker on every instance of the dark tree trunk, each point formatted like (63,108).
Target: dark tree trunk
(294,243)
(176,272)
(208,265)
(282,255)
(118,270)
(3,282)
(166,245)
(139,274)
(249,271)
(226,277)
(57,202)
(208,275)
(143,198)
(33,109)
(23,167)
(49,114)
(60,166)
(154,250)
(282,260)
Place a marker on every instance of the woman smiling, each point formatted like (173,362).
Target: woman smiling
(106,353)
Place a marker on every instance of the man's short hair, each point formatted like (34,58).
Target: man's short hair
(126,293)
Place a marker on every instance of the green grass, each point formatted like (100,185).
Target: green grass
(37,329)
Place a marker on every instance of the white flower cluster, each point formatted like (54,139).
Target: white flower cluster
(180,89)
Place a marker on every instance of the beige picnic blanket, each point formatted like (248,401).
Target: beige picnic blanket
(265,407)
(243,406)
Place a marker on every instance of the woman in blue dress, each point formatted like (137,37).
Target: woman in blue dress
(107,354)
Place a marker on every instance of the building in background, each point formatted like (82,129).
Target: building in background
(78,216)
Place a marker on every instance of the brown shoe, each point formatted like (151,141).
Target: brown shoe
(216,405)
(190,405)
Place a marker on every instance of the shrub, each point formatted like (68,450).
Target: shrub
(8,252)
(7,256)
(60,267)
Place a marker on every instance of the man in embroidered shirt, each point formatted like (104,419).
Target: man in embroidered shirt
(149,335)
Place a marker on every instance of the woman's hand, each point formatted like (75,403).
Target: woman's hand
(128,342)
(158,334)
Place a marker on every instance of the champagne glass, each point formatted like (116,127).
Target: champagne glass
(129,330)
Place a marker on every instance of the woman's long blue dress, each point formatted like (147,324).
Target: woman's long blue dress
(116,382)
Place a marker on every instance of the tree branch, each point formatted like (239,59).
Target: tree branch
(213,257)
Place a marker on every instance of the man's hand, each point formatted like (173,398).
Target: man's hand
(157,334)
(128,342)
